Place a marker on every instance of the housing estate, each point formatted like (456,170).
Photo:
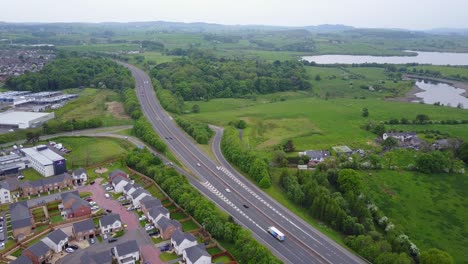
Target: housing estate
(52,183)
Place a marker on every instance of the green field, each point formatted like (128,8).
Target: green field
(432,209)
(101,47)
(31,175)
(95,103)
(87,150)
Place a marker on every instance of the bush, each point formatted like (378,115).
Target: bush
(198,131)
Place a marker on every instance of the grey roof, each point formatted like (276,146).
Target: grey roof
(15,224)
(5,185)
(317,154)
(155,211)
(138,192)
(79,171)
(165,222)
(76,205)
(196,252)
(42,154)
(126,248)
(57,236)
(128,187)
(22,260)
(39,249)
(117,179)
(46,181)
(20,215)
(150,202)
(179,236)
(401,134)
(109,219)
(68,195)
(103,257)
(117,172)
(82,226)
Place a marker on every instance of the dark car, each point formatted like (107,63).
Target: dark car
(92,182)
(153,233)
(245,206)
(165,247)
(109,211)
(112,240)
(74,247)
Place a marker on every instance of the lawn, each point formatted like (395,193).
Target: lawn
(156,192)
(31,175)
(157,240)
(88,150)
(214,250)
(56,219)
(222,259)
(432,208)
(164,256)
(179,215)
(189,226)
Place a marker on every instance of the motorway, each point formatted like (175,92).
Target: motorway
(303,244)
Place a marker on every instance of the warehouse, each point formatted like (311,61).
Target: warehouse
(23,120)
(45,161)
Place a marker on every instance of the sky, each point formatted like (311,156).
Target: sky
(409,14)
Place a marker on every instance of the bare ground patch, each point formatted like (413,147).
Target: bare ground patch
(117,110)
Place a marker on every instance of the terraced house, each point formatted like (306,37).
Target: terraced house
(73,206)
(58,182)
(21,220)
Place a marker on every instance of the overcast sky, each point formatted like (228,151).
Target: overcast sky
(411,14)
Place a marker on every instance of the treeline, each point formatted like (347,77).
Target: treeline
(246,249)
(142,128)
(73,72)
(199,131)
(170,102)
(338,198)
(234,151)
(201,75)
(55,126)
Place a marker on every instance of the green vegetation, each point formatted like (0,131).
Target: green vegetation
(199,131)
(165,256)
(73,72)
(189,226)
(31,175)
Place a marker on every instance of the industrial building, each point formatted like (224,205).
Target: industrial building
(45,161)
(11,164)
(23,120)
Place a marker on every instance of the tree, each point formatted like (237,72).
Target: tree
(393,258)
(435,256)
(434,162)
(350,181)
(390,143)
(318,78)
(289,146)
(196,108)
(462,152)
(279,158)
(379,130)
(422,118)
(365,112)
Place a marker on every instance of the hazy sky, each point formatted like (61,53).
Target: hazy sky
(412,14)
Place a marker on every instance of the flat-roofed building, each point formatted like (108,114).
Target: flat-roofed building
(23,120)
(45,161)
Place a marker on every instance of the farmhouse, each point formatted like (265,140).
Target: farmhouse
(401,136)
(316,156)
(342,150)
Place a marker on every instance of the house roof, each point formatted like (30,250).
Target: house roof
(317,154)
(126,248)
(196,252)
(39,249)
(156,211)
(76,205)
(103,257)
(46,181)
(178,237)
(82,226)
(401,134)
(138,192)
(165,223)
(69,195)
(109,219)
(128,187)
(5,185)
(79,171)
(15,224)
(116,173)
(19,211)
(22,260)
(150,202)
(116,180)
(57,236)
(342,149)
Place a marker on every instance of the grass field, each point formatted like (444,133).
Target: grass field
(432,208)
(88,150)
(101,47)
(446,71)
(31,175)
(95,103)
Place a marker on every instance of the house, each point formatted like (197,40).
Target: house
(57,240)
(401,136)
(38,253)
(57,182)
(137,195)
(131,188)
(5,194)
(180,241)
(342,150)
(316,156)
(110,223)
(80,176)
(127,252)
(84,229)
(21,219)
(22,260)
(117,173)
(167,227)
(156,213)
(73,206)
(149,202)
(103,257)
(196,255)
(119,183)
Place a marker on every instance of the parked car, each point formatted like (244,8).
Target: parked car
(142,218)
(112,240)
(92,241)
(105,184)
(104,236)
(1,218)
(165,247)
(126,203)
(69,250)
(130,208)
(92,182)
(153,233)
(2,245)
(150,227)
(95,207)
(20,177)
(109,188)
(107,195)
(92,203)
(74,247)
(121,198)
(89,199)
(109,211)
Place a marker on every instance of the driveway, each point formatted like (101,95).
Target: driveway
(127,217)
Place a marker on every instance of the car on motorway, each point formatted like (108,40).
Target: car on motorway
(112,240)
(245,206)
(69,250)
(198,164)
(228,190)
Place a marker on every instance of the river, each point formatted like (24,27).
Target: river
(435,58)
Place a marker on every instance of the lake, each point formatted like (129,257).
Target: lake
(444,93)
(435,58)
